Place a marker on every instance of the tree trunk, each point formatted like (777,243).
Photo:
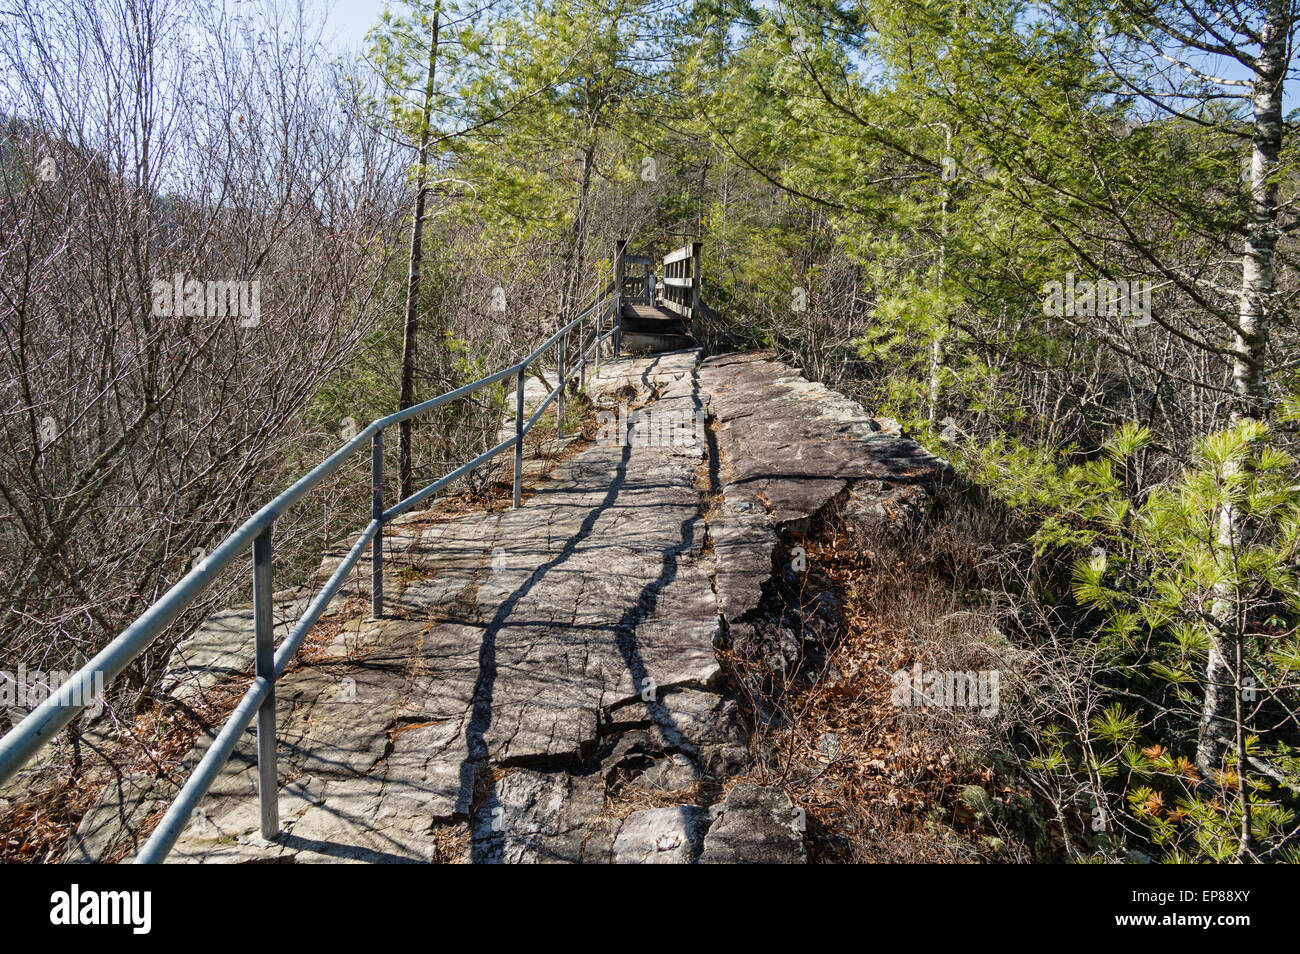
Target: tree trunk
(410,334)
(1220,722)
(948,173)
(577,253)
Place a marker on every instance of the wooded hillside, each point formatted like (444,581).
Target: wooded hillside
(1051,241)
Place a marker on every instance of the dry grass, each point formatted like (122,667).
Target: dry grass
(39,822)
(880,782)
(451,845)
(35,827)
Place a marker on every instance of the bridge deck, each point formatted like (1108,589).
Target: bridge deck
(649,328)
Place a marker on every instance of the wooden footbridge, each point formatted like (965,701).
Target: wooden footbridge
(658,314)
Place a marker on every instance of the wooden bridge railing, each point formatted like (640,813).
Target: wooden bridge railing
(681,282)
(633,289)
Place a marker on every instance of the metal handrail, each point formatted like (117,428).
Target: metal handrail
(27,738)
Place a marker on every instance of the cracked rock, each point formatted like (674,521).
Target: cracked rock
(661,836)
(534,663)
(757,825)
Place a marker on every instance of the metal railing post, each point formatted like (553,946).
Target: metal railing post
(620,249)
(264,668)
(599,328)
(582,354)
(377,513)
(519,433)
(559,411)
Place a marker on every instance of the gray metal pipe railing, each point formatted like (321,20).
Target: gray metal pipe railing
(205,773)
(27,738)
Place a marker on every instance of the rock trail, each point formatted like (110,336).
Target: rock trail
(544,672)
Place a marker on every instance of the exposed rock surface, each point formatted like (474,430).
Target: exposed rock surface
(661,836)
(538,668)
(756,825)
(784,449)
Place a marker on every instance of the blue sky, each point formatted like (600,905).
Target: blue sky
(348,20)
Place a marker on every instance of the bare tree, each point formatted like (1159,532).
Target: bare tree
(186,256)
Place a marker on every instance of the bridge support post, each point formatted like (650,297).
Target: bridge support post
(377,513)
(695,281)
(264,668)
(519,435)
(561,374)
